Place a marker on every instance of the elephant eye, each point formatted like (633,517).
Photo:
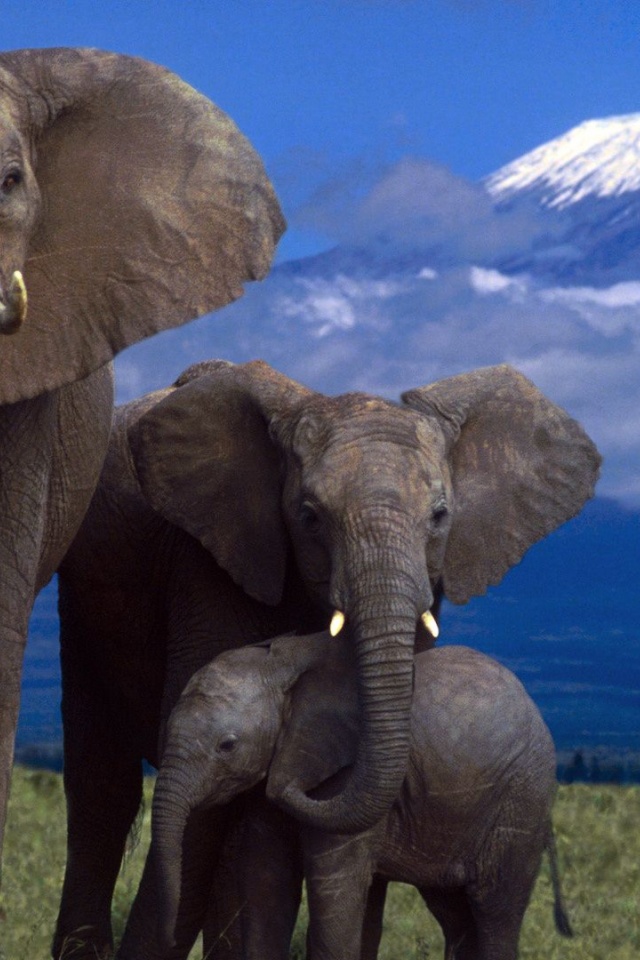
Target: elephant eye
(11,180)
(308,517)
(227,744)
(439,513)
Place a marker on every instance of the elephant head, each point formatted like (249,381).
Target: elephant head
(128,204)
(383,506)
(251,712)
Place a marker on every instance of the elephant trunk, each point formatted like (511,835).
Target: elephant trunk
(176,795)
(384,629)
(14,310)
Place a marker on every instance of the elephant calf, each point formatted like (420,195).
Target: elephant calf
(468,829)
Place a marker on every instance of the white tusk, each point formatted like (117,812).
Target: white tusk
(14,311)
(337,623)
(429,621)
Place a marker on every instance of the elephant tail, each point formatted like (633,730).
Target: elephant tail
(560,914)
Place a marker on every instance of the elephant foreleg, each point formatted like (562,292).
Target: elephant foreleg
(372,926)
(26,435)
(338,874)
(103,785)
(203,838)
(257,887)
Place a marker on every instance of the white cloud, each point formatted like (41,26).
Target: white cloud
(486,282)
(326,305)
(405,301)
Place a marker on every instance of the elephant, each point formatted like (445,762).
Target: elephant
(238,504)
(468,828)
(129,203)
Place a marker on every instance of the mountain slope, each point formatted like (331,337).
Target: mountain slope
(587,184)
(597,159)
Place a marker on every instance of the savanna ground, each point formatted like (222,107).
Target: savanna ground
(598,834)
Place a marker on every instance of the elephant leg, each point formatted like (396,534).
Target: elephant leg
(103,786)
(338,874)
(499,902)
(372,926)
(257,887)
(451,909)
(51,451)
(203,839)
(26,436)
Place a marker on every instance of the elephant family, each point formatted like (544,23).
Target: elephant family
(238,504)
(468,828)
(128,204)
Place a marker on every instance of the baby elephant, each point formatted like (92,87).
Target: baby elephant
(468,828)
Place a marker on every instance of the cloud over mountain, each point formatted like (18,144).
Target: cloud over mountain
(430,275)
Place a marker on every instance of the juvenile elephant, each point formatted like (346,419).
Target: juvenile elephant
(468,828)
(239,504)
(128,204)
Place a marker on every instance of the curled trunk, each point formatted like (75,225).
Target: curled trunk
(384,629)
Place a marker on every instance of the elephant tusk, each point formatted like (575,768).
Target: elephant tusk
(429,622)
(12,314)
(337,623)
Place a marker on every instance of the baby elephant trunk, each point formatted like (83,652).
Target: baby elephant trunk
(176,795)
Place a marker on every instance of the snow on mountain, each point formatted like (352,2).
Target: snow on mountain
(598,158)
(586,184)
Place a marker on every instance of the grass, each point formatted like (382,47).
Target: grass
(598,834)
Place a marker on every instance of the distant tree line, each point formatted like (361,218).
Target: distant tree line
(598,766)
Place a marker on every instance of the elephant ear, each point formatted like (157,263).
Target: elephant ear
(155,209)
(521,466)
(321,725)
(205,461)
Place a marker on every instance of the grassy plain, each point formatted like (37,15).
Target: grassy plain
(598,833)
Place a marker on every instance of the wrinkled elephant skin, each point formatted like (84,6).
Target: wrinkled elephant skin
(468,828)
(238,504)
(128,204)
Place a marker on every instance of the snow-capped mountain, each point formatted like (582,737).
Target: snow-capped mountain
(586,184)
(597,159)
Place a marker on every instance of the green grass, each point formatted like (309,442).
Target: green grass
(598,833)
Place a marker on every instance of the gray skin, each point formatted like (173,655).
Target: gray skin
(468,828)
(128,204)
(238,504)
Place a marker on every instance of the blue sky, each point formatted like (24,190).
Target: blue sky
(342,95)
(326,88)
(378,116)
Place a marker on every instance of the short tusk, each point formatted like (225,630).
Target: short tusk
(337,623)
(429,621)
(13,313)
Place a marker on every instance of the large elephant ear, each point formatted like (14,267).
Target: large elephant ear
(155,209)
(206,462)
(521,466)
(321,722)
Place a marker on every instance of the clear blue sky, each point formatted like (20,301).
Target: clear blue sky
(320,86)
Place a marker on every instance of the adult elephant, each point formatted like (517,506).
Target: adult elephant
(232,501)
(128,203)
(384,507)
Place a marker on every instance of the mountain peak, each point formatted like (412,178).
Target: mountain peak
(598,158)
